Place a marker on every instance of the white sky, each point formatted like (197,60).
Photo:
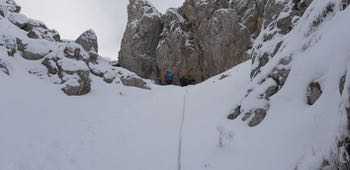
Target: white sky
(72,17)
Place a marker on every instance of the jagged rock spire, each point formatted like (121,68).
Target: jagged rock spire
(141,38)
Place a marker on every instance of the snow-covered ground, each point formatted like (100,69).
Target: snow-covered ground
(126,128)
(173,128)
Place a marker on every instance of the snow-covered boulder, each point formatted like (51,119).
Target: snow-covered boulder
(134,82)
(88,40)
(33,50)
(35,29)
(78,83)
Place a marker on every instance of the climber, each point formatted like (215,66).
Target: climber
(169,77)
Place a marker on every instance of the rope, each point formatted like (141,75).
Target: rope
(179,155)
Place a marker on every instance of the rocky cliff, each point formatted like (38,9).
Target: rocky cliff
(198,40)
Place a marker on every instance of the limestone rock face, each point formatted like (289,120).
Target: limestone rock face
(177,48)
(198,40)
(138,50)
(223,42)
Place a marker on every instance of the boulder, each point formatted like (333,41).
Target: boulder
(285,24)
(134,82)
(35,29)
(236,112)
(50,65)
(259,116)
(75,51)
(79,86)
(33,51)
(280,75)
(88,40)
(109,77)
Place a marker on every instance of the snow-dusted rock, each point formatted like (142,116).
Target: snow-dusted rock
(33,50)
(3,68)
(134,82)
(78,84)
(9,43)
(314,92)
(141,39)
(35,29)
(198,40)
(7,6)
(88,40)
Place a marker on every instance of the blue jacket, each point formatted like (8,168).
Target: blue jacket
(169,76)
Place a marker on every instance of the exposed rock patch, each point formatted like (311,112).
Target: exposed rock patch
(342,84)
(314,92)
(3,68)
(236,112)
(134,82)
(259,116)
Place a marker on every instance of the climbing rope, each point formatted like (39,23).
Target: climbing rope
(179,155)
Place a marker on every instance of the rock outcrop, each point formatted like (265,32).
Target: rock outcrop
(278,18)
(202,38)
(72,65)
(198,40)
(88,40)
(141,38)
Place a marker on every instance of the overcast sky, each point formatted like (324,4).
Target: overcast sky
(72,17)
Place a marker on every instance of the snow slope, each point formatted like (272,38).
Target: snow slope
(125,128)
(173,128)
